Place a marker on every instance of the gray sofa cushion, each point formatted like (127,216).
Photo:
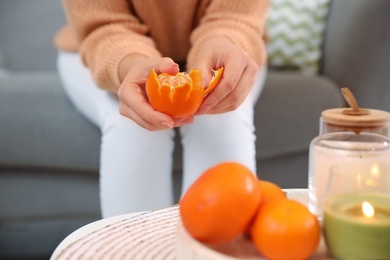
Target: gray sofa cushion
(40,128)
(65,140)
(26,33)
(288,112)
(29,195)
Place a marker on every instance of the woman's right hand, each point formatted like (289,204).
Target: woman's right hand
(134,104)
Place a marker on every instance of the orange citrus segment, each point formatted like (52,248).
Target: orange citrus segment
(173,82)
(196,77)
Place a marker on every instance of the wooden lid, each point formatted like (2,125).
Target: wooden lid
(343,117)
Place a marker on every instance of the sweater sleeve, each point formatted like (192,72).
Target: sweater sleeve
(243,21)
(107,31)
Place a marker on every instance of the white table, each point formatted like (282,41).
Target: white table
(141,235)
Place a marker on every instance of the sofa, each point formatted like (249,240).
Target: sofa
(49,153)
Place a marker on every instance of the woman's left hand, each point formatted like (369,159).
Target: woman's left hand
(237,79)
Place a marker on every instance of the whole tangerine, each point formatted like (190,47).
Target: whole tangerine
(220,204)
(285,229)
(270,191)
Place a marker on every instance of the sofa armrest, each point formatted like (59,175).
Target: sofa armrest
(357,50)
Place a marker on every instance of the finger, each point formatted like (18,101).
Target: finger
(167,65)
(206,72)
(141,109)
(230,103)
(147,113)
(184,121)
(221,111)
(143,123)
(226,85)
(152,126)
(235,98)
(129,113)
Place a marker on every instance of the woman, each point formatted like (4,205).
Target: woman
(105,54)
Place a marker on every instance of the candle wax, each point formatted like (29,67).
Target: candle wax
(351,235)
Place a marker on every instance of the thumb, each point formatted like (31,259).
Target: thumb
(167,65)
(206,75)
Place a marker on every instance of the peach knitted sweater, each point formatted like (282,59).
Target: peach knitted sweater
(105,31)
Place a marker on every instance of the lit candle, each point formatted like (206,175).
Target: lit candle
(362,166)
(357,226)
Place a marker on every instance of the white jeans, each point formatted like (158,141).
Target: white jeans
(136,164)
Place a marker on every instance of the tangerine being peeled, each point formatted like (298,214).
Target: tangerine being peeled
(178,95)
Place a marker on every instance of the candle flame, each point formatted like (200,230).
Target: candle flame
(368,209)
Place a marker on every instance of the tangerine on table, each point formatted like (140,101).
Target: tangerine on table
(220,204)
(178,95)
(285,229)
(270,191)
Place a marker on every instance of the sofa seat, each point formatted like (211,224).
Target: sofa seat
(49,153)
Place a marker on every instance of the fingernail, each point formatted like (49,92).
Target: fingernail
(203,110)
(166,124)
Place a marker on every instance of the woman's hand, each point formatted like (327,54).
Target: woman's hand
(134,104)
(237,79)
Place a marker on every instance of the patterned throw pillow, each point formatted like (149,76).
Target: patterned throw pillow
(295,31)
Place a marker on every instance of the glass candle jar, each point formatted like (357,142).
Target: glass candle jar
(355,137)
(356,219)
(352,152)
